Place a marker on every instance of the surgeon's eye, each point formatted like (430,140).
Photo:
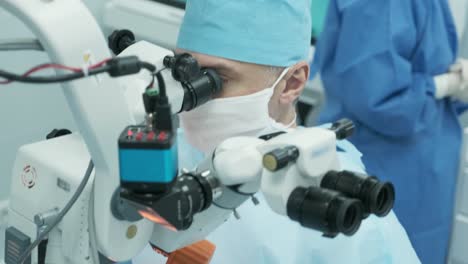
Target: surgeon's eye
(223,78)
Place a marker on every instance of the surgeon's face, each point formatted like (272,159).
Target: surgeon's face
(239,78)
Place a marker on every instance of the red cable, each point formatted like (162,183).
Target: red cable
(43,67)
(99,64)
(57,66)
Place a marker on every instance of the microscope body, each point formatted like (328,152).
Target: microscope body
(318,155)
(102,108)
(302,179)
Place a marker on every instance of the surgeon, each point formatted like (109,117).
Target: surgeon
(260,49)
(391,67)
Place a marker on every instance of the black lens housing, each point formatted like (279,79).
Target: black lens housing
(201,89)
(119,40)
(325,210)
(184,67)
(377,197)
(188,195)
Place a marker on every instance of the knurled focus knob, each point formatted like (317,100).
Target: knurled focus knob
(279,158)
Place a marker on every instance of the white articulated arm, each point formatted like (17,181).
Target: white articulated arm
(71,36)
(236,165)
(238,161)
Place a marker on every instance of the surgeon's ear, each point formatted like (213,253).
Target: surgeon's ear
(296,80)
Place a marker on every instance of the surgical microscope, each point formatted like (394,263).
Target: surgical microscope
(105,192)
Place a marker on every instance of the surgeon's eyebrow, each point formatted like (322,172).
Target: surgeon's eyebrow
(221,65)
(223,69)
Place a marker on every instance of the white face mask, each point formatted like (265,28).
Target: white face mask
(219,119)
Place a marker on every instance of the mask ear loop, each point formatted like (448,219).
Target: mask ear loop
(283,73)
(293,121)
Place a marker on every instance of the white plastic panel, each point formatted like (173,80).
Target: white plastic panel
(463,195)
(458,247)
(459,250)
(151,21)
(55,24)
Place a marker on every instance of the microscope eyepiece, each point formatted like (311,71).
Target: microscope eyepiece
(119,40)
(199,84)
(184,67)
(325,210)
(201,89)
(377,197)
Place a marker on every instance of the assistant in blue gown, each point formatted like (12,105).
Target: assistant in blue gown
(377,60)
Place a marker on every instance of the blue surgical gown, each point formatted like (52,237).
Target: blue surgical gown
(377,59)
(261,236)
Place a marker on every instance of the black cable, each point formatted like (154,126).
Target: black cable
(163,69)
(20,44)
(151,84)
(116,67)
(161,85)
(52,79)
(60,215)
(150,67)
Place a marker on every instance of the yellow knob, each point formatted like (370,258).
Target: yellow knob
(270,162)
(132,231)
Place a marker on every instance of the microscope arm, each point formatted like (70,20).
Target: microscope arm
(71,36)
(236,166)
(300,176)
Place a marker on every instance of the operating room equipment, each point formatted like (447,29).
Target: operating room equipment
(98,130)
(225,197)
(304,198)
(194,85)
(47,173)
(195,98)
(146,50)
(142,17)
(20,44)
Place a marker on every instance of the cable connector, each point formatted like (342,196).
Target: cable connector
(124,66)
(164,119)
(127,65)
(149,100)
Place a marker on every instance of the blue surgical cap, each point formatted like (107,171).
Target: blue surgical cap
(267,32)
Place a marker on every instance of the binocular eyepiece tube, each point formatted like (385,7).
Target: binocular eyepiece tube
(377,197)
(201,89)
(325,210)
(199,84)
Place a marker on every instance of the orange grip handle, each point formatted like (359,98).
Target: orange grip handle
(198,253)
